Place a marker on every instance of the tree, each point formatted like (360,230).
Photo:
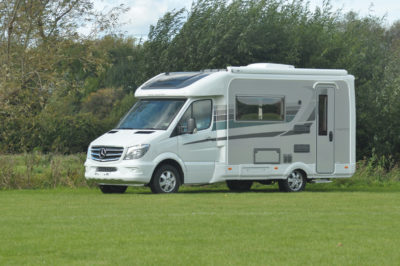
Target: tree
(219,33)
(51,75)
(387,131)
(43,57)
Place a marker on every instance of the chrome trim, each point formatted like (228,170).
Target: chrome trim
(112,153)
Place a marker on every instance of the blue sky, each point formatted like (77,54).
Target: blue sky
(144,13)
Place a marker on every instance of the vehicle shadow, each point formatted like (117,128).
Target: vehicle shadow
(199,191)
(267,190)
(206,190)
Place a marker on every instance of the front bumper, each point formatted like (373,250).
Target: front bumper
(127,172)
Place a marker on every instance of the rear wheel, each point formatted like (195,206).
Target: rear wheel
(108,189)
(295,182)
(239,185)
(166,179)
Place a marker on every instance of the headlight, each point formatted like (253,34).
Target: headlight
(136,152)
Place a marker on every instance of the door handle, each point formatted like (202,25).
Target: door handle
(330,135)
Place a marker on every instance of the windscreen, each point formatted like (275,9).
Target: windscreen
(151,114)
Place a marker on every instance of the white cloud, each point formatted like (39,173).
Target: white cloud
(388,8)
(142,13)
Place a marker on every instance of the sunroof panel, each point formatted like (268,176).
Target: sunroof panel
(175,80)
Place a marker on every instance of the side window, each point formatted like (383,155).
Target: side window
(199,110)
(255,108)
(323,115)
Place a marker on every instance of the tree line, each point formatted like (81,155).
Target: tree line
(60,89)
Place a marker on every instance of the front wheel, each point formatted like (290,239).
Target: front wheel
(108,189)
(166,179)
(295,182)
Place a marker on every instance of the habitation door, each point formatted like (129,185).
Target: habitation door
(325,129)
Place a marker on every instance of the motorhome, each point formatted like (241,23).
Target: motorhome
(261,123)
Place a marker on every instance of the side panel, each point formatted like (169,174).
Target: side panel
(325,129)
(262,144)
(342,134)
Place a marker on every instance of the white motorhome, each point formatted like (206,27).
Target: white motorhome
(259,123)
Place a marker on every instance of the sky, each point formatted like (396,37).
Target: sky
(143,13)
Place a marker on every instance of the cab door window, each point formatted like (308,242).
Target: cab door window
(199,110)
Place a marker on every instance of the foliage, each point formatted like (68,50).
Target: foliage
(37,170)
(52,77)
(47,69)
(387,130)
(221,33)
(217,34)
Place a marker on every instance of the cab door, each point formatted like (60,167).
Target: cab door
(198,150)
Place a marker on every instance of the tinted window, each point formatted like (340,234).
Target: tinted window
(199,110)
(254,108)
(323,115)
(175,80)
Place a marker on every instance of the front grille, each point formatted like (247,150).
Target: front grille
(106,154)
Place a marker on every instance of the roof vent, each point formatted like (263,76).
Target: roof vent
(143,132)
(269,66)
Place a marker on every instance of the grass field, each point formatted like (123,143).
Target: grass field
(201,226)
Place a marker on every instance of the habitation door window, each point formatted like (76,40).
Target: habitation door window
(256,108)
(323,115)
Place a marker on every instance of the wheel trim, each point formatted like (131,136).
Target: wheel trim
(167,181)
(295,181)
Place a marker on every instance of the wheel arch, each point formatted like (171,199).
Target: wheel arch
(174,160)
(303,168)
(173,163)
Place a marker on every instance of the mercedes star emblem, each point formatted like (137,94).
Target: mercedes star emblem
(103,153)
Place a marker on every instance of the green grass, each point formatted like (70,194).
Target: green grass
(201,226)
(38,171)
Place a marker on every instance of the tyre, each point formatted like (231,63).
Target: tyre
(108,189)
(295,182)
(239,185)
(166,179)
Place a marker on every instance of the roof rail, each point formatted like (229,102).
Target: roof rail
(271,68)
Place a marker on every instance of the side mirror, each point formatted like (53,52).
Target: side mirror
(191,126)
